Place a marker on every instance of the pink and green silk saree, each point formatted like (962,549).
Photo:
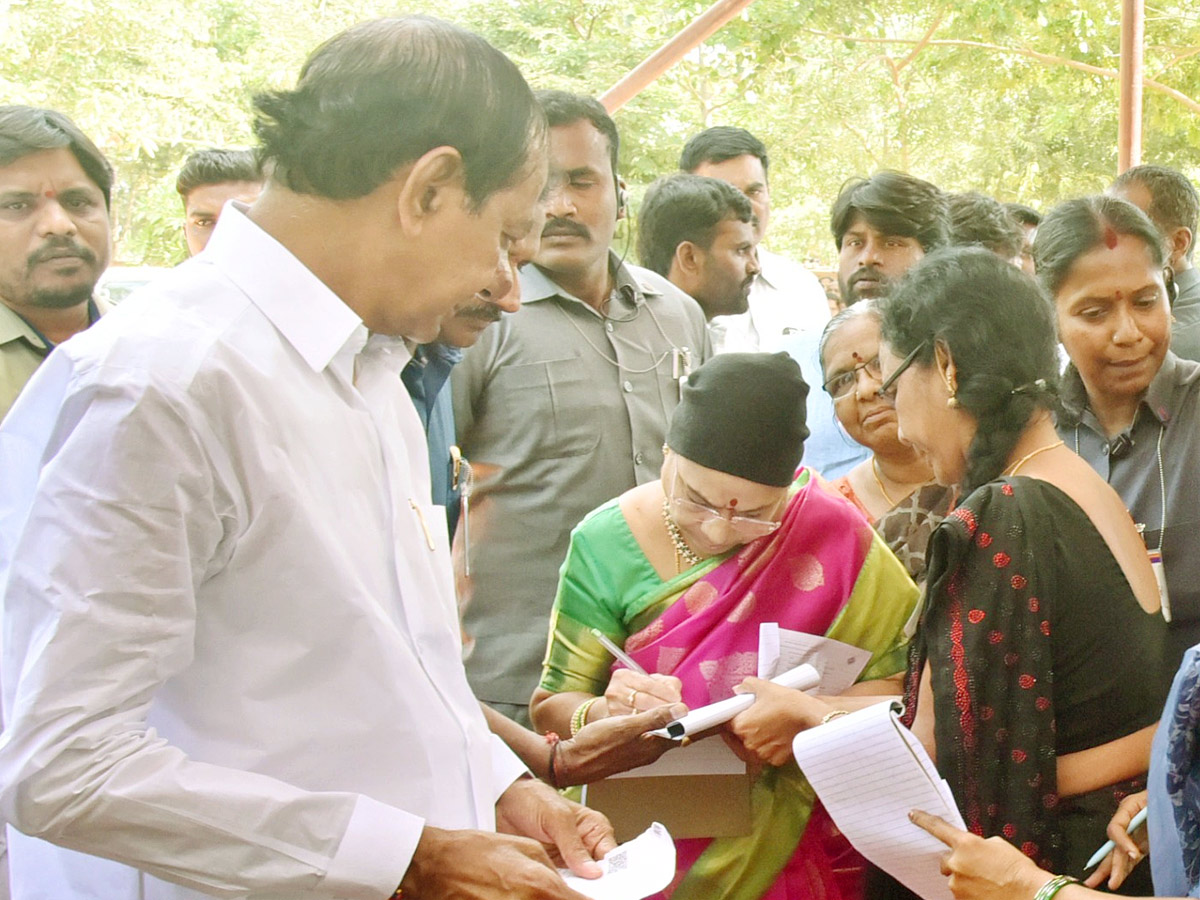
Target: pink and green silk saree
(824,572)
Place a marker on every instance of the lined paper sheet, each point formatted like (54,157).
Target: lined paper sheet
(869,771)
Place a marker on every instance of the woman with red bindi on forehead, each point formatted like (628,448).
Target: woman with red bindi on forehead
(1130,407)
(683,571)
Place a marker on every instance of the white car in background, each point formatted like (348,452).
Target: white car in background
(118,282)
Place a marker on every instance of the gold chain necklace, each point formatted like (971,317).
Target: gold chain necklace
(683,553)
(879,481)
(877,473)
(1015,467)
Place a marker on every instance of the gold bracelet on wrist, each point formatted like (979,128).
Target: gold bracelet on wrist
(833,714)
(579,717)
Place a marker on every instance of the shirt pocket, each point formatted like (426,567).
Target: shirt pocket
(548,408)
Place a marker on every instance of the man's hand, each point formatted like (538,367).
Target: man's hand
(479,865)
(979,869)
(614,744)
(574,833)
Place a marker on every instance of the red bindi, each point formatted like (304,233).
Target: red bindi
(855,356)
(1120,296)
(733,503)
(50,195)
(1110,237)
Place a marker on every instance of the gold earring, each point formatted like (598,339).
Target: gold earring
(952,402)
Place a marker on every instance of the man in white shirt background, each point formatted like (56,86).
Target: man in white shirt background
(785,298)
(232,660)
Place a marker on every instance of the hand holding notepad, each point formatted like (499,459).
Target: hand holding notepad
(869,771)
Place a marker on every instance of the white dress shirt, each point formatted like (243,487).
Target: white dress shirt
(232,656)
(785,299)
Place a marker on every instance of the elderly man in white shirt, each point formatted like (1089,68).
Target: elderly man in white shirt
(785,298)
(232,660)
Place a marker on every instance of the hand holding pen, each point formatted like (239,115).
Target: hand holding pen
(632,689)
(1122,852)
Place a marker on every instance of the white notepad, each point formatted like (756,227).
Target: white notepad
(870,771)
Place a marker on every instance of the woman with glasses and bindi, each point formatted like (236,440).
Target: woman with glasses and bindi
(894,488)
(681,573)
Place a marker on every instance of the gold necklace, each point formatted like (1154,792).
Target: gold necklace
(683,553)
(877,474)
(1015,467)
(879,481)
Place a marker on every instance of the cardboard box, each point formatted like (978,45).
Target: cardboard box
(702,790)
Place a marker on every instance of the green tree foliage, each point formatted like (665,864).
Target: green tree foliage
(1018,99)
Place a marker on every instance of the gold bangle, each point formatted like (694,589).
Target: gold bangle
(833,714)
(579,717)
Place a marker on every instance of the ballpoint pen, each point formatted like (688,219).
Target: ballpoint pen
(624,658)
(1134,824)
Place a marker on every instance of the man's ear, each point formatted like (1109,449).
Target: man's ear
(428,186)
(622,199)
(1180,240)
(688,258)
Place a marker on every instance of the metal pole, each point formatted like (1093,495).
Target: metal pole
(701,29)
(1129,127)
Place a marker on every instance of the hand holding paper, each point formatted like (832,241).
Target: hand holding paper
(870,772)
(767,727)
(636,869)
(800,678)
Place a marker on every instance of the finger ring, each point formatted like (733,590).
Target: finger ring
(632,699)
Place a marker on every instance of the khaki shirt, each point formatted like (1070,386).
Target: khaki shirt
(560,409)
(21,352)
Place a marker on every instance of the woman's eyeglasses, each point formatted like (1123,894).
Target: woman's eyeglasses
(887,390)
(843,384)
(743,526)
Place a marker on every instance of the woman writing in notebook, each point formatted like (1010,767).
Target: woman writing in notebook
(681,572)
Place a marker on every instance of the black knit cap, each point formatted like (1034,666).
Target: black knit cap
(743,414)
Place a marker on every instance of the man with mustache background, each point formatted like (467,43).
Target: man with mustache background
(564,404)
(55,187)
(427,375)
(881,225)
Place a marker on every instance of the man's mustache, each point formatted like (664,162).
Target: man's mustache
(565,227)
(867,272)
(488,312)
(60,248)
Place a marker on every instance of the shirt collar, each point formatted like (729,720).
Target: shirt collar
(537,285)
(766,263)
(14,328)
(311,317)
(437,352)
(1185,279)
(1159,397)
